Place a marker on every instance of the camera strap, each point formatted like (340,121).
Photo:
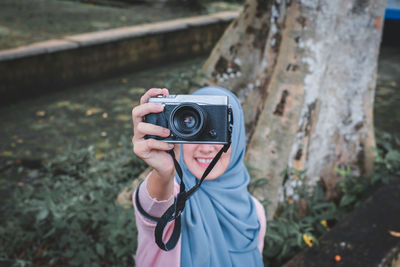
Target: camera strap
(173,213)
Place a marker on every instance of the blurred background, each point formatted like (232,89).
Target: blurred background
(65,150)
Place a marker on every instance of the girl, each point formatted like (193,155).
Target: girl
(222,225)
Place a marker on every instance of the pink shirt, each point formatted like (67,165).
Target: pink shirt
(148,253)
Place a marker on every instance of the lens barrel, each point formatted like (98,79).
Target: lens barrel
(188,120)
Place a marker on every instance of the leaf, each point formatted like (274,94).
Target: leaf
(393,155)
(100,249)
(7,153)
(40,113)
(346,200)
(42,214)
(394,233)
(92,111)
(63,104)
(123,117)
(274,236)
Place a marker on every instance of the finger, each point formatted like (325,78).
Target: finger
(154,144)
(140,111)
(153,92)
(144,147)
(165,92)
(143,129)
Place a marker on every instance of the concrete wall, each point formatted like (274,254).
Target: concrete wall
(56,64)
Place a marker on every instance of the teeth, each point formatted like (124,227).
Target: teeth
(206,161)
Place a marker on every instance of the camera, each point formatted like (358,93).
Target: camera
(198,119)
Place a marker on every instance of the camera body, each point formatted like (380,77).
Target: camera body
(196,119)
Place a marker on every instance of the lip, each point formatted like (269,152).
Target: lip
(203,164)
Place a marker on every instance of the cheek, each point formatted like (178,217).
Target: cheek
(221,166)
(188,152)
(225,159)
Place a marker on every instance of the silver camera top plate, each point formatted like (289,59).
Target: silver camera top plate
(198,99)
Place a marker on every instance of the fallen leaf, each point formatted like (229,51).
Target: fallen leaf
(338,258)
(75,106)
(40,113)
(137,91)
(394,233)
(104,134)
(123,117)
(99,155)
(92,111)
(7,153)
(63,104)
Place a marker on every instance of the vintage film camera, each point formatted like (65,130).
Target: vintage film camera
(199,119)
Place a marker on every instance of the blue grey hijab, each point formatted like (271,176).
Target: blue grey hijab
(219,223)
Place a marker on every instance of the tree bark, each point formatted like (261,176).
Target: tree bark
(305,72)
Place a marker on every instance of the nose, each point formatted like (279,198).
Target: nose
(207,148)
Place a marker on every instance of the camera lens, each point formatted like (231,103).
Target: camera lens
(188,120)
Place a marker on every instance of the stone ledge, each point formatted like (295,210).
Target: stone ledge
(56,64)
(112,35)
(45,47)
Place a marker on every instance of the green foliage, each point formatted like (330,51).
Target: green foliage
(68,214)
(183,82)
(298,222)
(65,213)
(387,165)
(305,216)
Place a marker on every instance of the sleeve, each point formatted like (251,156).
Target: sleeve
(148,253)
(263,224)
(151,205)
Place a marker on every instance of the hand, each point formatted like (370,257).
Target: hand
(152,151)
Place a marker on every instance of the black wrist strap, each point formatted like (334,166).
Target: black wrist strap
(175,210)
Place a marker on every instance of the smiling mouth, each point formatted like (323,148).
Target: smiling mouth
(203,162)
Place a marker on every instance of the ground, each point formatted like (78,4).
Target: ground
(99,113)
(95,114)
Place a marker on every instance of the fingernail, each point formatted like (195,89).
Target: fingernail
(171,145)
(166,131)
(160,107)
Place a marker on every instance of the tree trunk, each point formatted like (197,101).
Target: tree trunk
(305,72)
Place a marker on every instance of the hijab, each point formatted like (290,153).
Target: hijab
(219,223)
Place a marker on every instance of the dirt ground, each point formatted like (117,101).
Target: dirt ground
(97,114)
(26,21)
